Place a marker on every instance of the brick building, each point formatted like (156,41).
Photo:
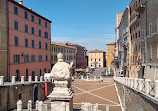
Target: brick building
(28,43)
(110,55)
(81,61)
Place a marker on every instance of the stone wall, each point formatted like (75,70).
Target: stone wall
(133,100)
(10,94)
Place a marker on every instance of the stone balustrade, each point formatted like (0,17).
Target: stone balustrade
(92,79)
(22,81)
(142,85)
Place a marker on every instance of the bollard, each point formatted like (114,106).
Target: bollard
(94,77)
(36,78)
(107,108)
(41,78)
(37,104)
(82,106)
(94,108)
(1,80)
(81,77)
(30,78)
(45,107)
(101,77)
(86,107)
(63,106)
(19,105)
(156,89)
(29,107)
(87,77)
(140,84)
(40,106)
(22,80)
(13,79)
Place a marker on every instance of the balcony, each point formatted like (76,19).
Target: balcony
(135,19)
(140,7)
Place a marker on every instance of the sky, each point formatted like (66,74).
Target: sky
(90,23)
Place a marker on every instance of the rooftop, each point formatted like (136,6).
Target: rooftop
(61,44)
(96,51)
(112,43)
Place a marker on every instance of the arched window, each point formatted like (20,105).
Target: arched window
(27,74)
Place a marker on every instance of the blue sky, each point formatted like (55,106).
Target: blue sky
(90,23)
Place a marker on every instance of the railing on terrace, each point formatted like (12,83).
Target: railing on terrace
(143,85)
(14,82)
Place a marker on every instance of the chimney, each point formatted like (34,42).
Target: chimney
(20,2)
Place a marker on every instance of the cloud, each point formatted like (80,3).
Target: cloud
(90,42)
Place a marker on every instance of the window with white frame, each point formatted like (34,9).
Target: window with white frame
(150,29)
(143,34)
(150,51)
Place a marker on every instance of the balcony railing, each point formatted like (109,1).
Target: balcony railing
(140,7)
(137,17)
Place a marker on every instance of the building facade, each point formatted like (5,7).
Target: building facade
(123,43)
(3,38)
(110,56)
(29,42)
(68,52)
(96,58)
(80,55)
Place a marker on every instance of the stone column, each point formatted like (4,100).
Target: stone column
(36,78)
(30,78)
(147,86)
(22,80)
(156,89)
(19,105)
(1,80)
(135,83)
(40,106)
(13,79)
(29,107)
(41,78)
(107,108)
(140,84)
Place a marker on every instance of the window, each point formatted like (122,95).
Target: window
(39,21)
(111,54)
(39,44)
(26,58)
(150,51)
(45,24)
(33,30)
(150,29)
(46,35)
(17,75)
(61,50)
(26,28)
(27,74)
(39,33)
(33,44)
(46,58)
(143,34)
(58,49)
(32,18)
(16,25)
(110,47)
(26,15)
(55,58)
(16,58)
(33,58)
(16,41)
(26,42)
(15,10)
(52,58)
(52,49)
(95,54)
(46,46)
(40,58)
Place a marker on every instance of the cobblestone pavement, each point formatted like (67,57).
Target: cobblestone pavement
(103,93)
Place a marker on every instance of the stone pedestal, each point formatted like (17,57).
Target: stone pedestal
(62,92)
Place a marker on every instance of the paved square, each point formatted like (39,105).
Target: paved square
(103,93)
